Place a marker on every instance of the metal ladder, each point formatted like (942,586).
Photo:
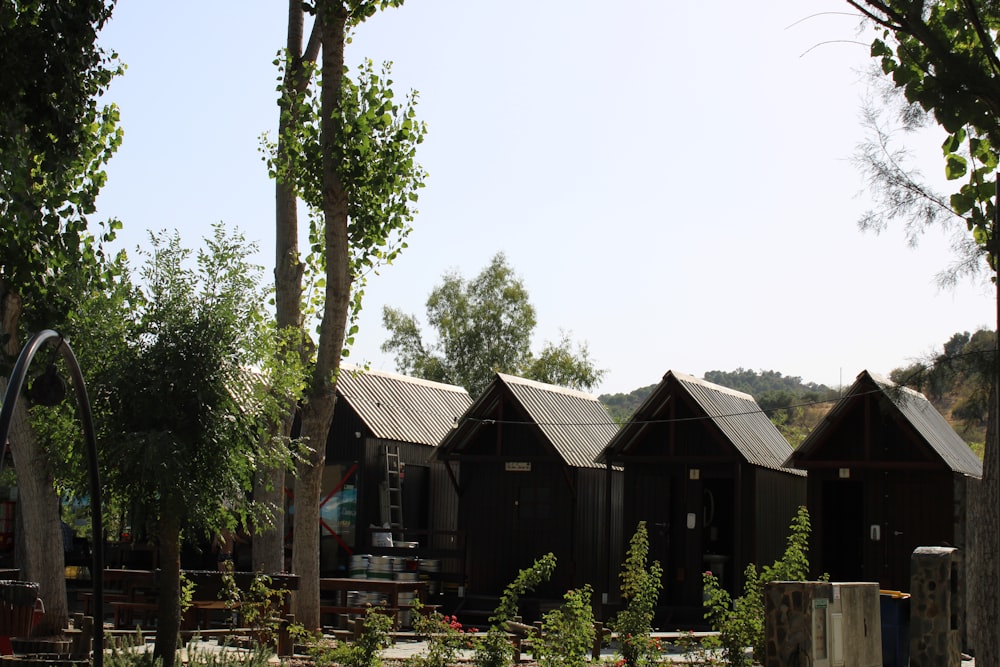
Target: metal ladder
(392,493)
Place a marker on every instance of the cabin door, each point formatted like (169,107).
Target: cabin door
(844,530)
(652,505)
(918,519)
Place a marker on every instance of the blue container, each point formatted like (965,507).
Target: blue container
(895,611)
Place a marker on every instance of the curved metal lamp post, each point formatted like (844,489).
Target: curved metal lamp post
(17,378)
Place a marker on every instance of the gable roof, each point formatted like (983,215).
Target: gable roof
(735,413)
(574,423)
(913,407)
(402,408)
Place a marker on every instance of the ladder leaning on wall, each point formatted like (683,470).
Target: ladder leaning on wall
(392,493)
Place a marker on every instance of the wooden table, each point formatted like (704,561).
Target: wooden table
(339,586)
(132,593)
(122,585)
(209,585)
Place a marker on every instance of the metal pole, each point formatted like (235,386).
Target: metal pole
(14,386)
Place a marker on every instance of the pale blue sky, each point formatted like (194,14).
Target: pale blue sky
(672,181)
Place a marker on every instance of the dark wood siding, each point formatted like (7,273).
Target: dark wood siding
(512,518)
(778,495)
(590,527)
(866,526)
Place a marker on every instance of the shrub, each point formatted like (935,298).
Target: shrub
(128,655)
(568,632)
(526,580)
(640,590)
(366,651)
(493,648)
(740,622)
(445,636)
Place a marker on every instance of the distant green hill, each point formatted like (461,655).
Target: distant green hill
(956,383)
(793,405)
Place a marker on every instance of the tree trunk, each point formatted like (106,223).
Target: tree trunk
(169,612)
(317,413)
(269,540)
(41,539)
(985,595)
(316,418)
(269,544)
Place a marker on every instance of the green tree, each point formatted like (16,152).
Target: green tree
(941,57)
(347,149)
(483,326)
(188,405)
(54,142)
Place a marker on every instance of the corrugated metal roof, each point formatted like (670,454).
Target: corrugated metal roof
(918,411)
(397,407)
(575,422)
(735,413)
(741,420)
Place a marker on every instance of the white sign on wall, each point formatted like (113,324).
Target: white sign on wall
(517,466)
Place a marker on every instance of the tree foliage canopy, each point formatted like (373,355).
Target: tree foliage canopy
(376,140)
(942,57)
(54,141)
(483,326)
(187,405)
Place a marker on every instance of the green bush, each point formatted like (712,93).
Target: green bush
(444,634)
(568,632)
(640,588)
(366,651)
(493,648)
(740,622)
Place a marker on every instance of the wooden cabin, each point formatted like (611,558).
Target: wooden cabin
(704,468)
(379,472)
(887,474)
(522,462)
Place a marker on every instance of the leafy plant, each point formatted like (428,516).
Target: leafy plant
(640,588)
(127,653)
(493,648)
(740,622)
(321,650)
(261,608)
(445,636)
(366,651)
(568,632)
(526,580)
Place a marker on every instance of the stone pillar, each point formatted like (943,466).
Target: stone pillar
(935,637)
(822,624)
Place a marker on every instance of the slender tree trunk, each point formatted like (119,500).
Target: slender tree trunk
(985,594)
(316,419)
(269,541)
(41,540)
(169,611)
(317,413)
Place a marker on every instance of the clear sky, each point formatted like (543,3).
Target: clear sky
(672,181)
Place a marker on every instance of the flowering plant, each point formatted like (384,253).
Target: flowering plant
(445,636)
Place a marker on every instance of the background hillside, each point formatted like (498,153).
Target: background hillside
(955,381)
